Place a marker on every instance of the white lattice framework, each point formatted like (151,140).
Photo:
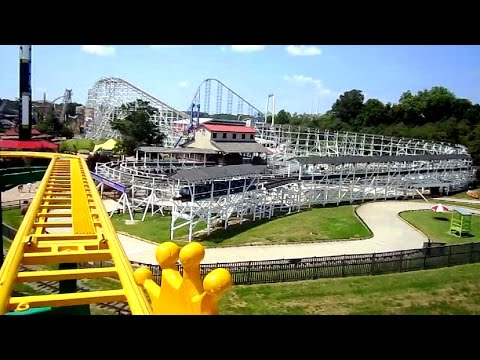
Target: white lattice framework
(288,141)
(106,97)
(333,184)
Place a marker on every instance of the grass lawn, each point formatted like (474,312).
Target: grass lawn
(318,224)
(78,144)
(463,195)
(454,290)
(12,217)
(437,225)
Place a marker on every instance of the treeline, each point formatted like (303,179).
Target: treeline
(435,114)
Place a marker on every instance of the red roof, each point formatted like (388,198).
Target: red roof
(27,144)
(229,128)
(12,132)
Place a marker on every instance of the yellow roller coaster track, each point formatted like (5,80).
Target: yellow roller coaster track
(67,223)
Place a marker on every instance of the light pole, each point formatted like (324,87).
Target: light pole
(273,108)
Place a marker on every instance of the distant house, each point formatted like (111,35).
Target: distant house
(35,134)
(232,139)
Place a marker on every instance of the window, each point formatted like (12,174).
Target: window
(224,135)
(214,135)
(251,136)
(234,136)
(243,136)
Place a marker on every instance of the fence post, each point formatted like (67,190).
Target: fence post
(401,261)
(425,257)
(343,266)
(373,264)
(249,273)
(449,254)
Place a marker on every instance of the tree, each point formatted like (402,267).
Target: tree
(135,126)
(282,117)
(372,113)
(348,106)
(50,125)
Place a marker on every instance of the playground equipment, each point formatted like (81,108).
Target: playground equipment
(460,223)
(67,224)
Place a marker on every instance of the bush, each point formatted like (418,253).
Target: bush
(92,160)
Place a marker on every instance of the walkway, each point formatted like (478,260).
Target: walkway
(391,233)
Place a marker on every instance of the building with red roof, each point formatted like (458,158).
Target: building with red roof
(226,137)
(28,145)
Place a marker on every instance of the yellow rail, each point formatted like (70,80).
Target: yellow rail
(67,223)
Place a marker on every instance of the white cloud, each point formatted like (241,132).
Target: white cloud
(247,48)
(302,80)
(101,50)
(183,84)
(165,46)
(303,50)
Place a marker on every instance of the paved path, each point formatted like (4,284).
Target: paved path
(390,233)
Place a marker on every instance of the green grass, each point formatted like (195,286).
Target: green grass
(317,224)
(454,290)
(463,195)
(436,226)
(12,217)
(84,144)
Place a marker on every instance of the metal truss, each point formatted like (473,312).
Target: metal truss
(106,97)
(288,141)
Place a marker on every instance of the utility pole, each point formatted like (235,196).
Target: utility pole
(25,104)
(273,109)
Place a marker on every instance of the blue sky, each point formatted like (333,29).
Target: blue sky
(300,76)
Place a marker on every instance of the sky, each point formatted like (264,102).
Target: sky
(302,78)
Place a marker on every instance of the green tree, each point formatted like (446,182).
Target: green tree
(349,105)
(50,125)
(282,117)
(135,126)
(372,113)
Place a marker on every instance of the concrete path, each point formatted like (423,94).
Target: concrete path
(390,233)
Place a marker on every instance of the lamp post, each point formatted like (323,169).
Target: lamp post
(273,108)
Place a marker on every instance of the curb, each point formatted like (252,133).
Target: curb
(412,226)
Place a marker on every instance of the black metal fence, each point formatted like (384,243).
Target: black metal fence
(272,271)
(8,231)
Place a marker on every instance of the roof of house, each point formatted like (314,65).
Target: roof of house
(165,150)
(27,144)
(218,172)
(229,128)
(12,132)
(239,147)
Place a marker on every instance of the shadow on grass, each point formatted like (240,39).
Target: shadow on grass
(464,236)
(220,234)
(441,218)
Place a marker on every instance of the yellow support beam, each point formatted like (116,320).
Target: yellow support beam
(43,258)
(83,298)
(56,275)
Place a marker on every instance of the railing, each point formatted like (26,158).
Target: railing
(272,271)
